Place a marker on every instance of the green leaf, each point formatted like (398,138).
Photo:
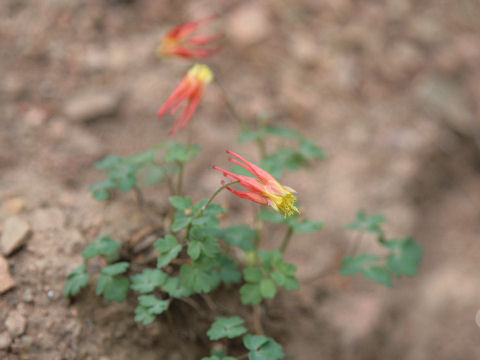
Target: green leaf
(148,280)
(154,305)
(153,174)
(181,221)
(175,289)
(252,274)
(101,189)
(169,248)
(379,274)
(109,162)
(143,315)
(250,294)
(241,236)
(103,245)
(194,249)
(180,203)
(116,269)
(76,281)
(181,153)
(310,150)
(271,216)
(262,348)
(113,288)
(367,223)
(268,289)
(405,256)
(226,327)
(127,183)
(251,135)
(307,226)
(229,272)
(353,265)
(283,132)
(198,278)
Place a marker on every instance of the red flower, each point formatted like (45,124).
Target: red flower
(180,41)
(265,189)
(191,90)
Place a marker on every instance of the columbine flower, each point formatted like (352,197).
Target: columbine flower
(190,89)
(265,190)
(180,41)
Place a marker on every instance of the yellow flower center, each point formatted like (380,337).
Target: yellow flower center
(201,72)
(285,203)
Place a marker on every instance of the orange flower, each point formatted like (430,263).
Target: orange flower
(265,189)
(180,41)
(191,90)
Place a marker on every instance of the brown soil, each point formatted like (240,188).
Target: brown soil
(391,91)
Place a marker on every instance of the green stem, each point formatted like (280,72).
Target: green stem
(214,195)
(231,108)
(180,179)
(286,239)
(139,197)
(262,148)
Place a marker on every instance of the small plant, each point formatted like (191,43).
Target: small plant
(197,252)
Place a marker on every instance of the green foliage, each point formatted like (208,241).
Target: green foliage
(150,306)
(199,277)
(148,280)
(262,348)
(169,248)
(197,214)
(122,173)
(174,287)
(367,223)
(76,281)
(241,236)
(180,153)
(104,246)
(226,327)
(261,282)
(403,258)
(111,286)
(295,222)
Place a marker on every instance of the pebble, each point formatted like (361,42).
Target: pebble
(15,234)
(15,323)
(92,105)
(6,280)
(5,340)
(27,296)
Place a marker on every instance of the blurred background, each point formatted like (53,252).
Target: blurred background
(389,89)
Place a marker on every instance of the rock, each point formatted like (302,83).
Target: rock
(5,340)
(15,323)
(448,100)
(15,233)
(48,219)
(13,206)
(92,105)
(249,24)
(6,281)
(27,296)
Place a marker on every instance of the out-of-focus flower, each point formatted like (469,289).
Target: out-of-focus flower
(265,189)
(190,90)
(181,41)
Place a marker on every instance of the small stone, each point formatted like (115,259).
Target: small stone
(5,340)
(92,105)
(27,296)
(6,281)
(26,341)
(14,206)
(48,219)
(15,234)
(249,24)
(15,323)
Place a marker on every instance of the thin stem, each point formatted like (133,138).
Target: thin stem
(286,239)
(215,194)
(262,148)
(179,179)
(231,108)
(139,197)
(257,321)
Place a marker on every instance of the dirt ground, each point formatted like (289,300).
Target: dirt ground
(390,89)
